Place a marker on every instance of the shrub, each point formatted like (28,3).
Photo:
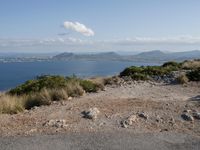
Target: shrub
(155,71)
(38,99)
(72,85)
(89,86)
(99,81)
(182,79)
(139,76)
(172,64)
(43,90)
(41,82)
(194,75)
(131,70)
(144,73)
(74,89)
(11,104)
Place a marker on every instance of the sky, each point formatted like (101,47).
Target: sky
(99,25)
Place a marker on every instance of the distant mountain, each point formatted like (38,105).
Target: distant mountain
(158,55)
(154,53)
(185,55)
(98,56)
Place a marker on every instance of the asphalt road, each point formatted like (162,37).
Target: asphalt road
(104,141)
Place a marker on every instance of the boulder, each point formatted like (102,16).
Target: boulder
(187,117)
(92,113)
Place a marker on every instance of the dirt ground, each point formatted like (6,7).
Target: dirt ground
(163,104)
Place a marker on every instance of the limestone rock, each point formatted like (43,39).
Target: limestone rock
(196,115)
(131,119)
(92,113)
(56,123)
(187,117)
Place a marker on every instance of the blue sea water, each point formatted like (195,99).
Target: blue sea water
(13,74)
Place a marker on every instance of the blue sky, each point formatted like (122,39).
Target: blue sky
(99,25)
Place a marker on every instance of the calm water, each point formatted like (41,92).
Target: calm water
(13,74)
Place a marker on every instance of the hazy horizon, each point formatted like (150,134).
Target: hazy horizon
(98,26)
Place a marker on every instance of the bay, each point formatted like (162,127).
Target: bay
(15,73)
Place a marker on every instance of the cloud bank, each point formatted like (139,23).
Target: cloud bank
(78,27)
(179,43)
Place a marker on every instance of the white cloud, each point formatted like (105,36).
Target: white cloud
(78,27)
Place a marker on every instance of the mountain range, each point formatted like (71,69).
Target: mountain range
(150,56)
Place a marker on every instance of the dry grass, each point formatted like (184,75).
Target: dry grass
(98,80)
(74,89)
(183,79)
(11,104)
(191,64)
(112,80)
(38,99)
(58,94)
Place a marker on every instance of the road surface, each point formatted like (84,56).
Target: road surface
(102,141)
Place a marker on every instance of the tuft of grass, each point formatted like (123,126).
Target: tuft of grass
(74,89)
(182,79)
(38,99)
(191,64)
(58,94)
(11,104)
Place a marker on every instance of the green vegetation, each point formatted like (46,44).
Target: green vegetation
(88,86)
(172,65)
(43,90)
(36,85)
(71,85)
(145,73)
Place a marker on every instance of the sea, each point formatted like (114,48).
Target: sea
(16,73)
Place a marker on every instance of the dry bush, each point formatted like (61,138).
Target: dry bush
(182,79)
(112,80)
(191,64)
(38,99)
(98,80)
(11,104)
(74,89)
(58,94)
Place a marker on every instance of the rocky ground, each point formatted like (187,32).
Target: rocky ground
(139,107)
